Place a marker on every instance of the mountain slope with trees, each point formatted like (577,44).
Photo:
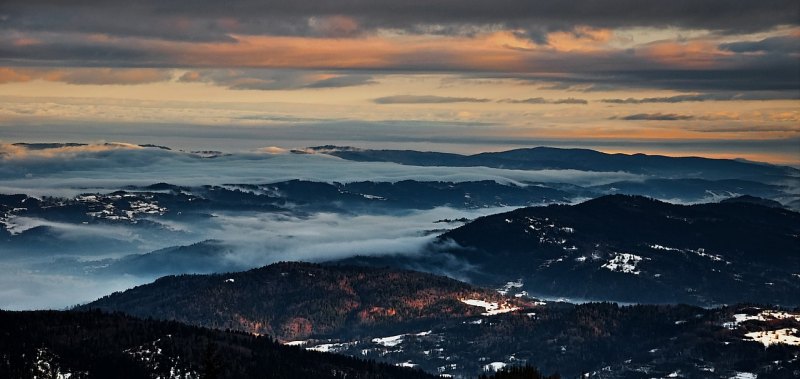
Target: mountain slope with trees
(635,249)
(296,300)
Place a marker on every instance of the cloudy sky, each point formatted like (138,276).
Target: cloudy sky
(705,77)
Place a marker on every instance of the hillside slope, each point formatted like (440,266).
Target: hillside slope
(88,345)
(635,249)
(297,300)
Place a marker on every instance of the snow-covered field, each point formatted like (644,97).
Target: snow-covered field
(332,347)
(398,339)
(492,308)
(765,315)
(787,336)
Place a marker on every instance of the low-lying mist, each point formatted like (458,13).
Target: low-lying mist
(225,242)
(68,172)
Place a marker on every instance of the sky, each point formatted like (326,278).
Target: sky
(715,78)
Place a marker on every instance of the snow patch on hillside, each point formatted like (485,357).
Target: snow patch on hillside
(392,341)
(152,355)
(700,252)
(509,286)
(765,315)
(332,347)
(494,366)
(666,248)
(787,336)
(492,308)
(47,366)
(372,197)
(121,206)
(625,263)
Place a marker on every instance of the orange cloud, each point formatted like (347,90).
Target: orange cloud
(26,41)
(334,26)
(793,116)
(191,76)
(97,76)
(692,54)
(511,41)
(499,51)
(583,39)
(486,52)
(9,75)
(337,43)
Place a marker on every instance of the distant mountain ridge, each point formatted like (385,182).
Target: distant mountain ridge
(544,158)
(753,200)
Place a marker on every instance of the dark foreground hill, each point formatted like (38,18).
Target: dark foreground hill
(79,345)
(599,340)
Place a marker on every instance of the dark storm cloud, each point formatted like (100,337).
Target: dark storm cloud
(762,76)
(342,81)
(763,72)
(746,129)
(655,117)
(781,45)
(426,99)
(765,65)
(740,72)
(105,76)
(75,51)
(754,81)
(268,80)
(208,20)
(788,95)
(541,100)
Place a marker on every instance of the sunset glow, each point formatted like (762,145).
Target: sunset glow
(719,77)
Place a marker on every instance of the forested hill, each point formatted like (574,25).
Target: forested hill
(88,345)
(297,300)
(636,249)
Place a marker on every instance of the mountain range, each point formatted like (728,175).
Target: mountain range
(572,261)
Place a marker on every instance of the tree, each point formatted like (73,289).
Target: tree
(212,364)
